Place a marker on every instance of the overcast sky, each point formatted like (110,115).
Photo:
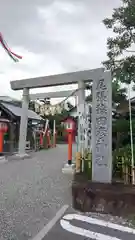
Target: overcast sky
(53,36)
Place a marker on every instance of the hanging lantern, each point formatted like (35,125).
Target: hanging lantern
(3,127)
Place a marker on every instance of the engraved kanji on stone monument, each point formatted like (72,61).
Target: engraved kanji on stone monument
(101,129)
(88,126)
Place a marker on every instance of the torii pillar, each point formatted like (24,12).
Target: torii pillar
(80,111)
(23,124)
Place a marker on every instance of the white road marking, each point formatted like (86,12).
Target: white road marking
(85,233)
(90,234)
(99,222)
(49,226)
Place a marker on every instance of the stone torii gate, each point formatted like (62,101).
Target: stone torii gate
(58,94)
(101,113)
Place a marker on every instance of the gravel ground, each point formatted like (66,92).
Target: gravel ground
(31,192)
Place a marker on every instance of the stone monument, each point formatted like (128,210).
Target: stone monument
(102,129)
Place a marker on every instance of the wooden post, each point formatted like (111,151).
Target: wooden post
(78,161)
(41,139)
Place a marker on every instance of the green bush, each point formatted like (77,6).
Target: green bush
(124,154)
(122,158)
(88,164)
(60,139)
(121,133)
(122,125)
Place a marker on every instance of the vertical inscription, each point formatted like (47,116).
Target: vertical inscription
(102,129)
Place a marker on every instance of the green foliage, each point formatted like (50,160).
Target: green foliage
(121,160)
(118,93)
(121,133)
(87,160)
(57,117)
(60,139)
(32,105)
(123,126)
(122,23)
(70,106)
(89,98)
(123,154)
(61,134)
(59,128)
(88,86)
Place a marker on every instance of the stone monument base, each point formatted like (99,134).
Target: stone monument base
(69,169)
(115,198)
(18,156)
(3,159)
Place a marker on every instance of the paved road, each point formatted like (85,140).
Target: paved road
(31,192)
(75,226)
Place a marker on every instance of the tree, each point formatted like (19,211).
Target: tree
(32,105)
(122,23)
(88,87)
(118,93)
(70,106)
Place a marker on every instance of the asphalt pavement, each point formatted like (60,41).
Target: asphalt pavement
(76,226)
(31,193)
(35,202)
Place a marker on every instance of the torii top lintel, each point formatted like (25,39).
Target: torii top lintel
(60,79)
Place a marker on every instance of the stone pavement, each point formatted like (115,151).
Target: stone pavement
(31,192)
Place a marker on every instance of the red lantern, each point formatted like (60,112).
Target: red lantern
(3,127)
